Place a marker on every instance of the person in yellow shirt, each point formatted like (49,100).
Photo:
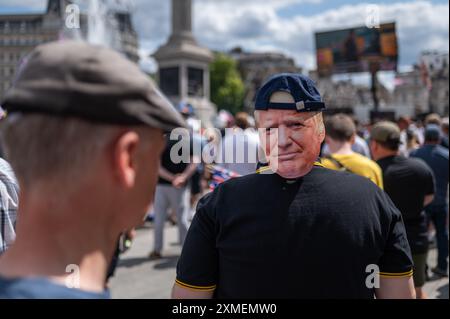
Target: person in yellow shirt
(341,132)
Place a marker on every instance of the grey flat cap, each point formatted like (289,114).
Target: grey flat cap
(73,78)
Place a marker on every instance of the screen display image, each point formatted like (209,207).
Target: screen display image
(354,50)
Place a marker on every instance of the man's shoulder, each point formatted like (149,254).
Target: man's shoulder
(243,182)
(442,152)
(346,179)
(427,151)
(418,165)
(365,161)
(237,185)
(356,163)
(341,184)
(233,192)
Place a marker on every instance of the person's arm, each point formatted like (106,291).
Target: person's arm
(428,199)
(168,176)
(396,263)
(181,179)
(191,168)
(197,268)
(180,292)
(428,182)
(396,288)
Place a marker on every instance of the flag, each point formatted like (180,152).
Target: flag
(398,81)
(219,175)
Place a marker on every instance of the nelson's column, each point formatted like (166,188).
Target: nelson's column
(184,65)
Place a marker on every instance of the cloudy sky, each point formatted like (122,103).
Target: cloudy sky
(286,26)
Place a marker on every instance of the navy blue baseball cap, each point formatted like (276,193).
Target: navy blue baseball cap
(432,132)
(302,88)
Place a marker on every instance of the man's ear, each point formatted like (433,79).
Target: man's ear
(318,118)
(322,134)
(352,139)
(125,158)
(373,146)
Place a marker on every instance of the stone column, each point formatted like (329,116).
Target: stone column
(182,17)
(183,81)
(206,83)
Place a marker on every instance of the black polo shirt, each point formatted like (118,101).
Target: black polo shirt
(182,144)
(261,236)
(407,181)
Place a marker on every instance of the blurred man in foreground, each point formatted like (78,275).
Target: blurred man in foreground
(84,134)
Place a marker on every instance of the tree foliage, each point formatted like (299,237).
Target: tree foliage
(227,87)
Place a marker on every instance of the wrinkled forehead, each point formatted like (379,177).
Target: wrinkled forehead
(276,117)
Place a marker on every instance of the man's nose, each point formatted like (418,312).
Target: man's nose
(283,137)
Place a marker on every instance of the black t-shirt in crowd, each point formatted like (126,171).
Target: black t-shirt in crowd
(261,236)
(180,146)
(407,181)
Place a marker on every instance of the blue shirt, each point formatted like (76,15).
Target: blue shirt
(42,288)
(436,157)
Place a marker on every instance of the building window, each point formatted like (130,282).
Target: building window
(169,79)
(195,82)
(6,27)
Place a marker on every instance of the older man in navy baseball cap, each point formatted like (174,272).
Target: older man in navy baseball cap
(290,106)
(303,231)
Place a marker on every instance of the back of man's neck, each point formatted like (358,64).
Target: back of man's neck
(343,149)
(53,248)
(388,155)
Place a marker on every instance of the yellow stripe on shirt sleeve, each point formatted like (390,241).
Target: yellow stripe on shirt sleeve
(396,275)
(202,288)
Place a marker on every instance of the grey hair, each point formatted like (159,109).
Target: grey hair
(320,123)
(43,147)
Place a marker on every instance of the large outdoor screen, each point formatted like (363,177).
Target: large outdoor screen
(356,49)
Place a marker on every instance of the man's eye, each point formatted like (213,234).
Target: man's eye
(296,125)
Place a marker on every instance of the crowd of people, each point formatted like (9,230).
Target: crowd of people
(310,198)
(408,159)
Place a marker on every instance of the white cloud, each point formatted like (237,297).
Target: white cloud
(420,26)
(256,25)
